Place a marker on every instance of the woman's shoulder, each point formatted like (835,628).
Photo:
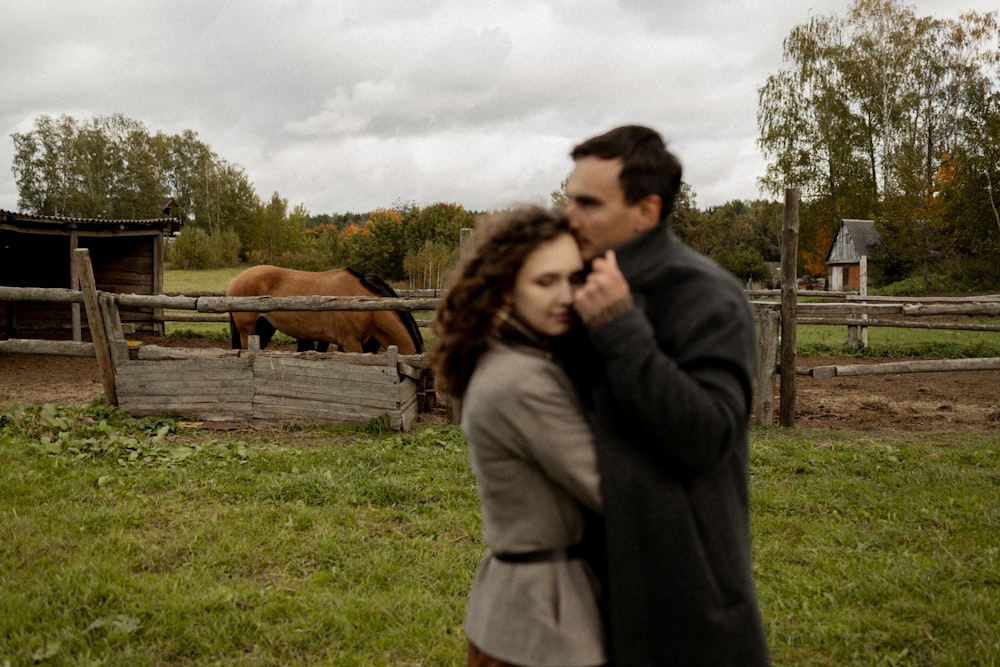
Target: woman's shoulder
(504,369)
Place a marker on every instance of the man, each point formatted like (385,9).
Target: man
(674,341)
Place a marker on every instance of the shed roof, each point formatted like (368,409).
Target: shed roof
(854,239)
(12,220)
(866,237)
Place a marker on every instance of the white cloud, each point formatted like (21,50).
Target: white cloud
(355,104)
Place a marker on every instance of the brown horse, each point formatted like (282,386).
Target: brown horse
(350,331)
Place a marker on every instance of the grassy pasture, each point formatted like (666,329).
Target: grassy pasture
(151,542)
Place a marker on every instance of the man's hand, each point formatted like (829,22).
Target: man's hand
(605,294)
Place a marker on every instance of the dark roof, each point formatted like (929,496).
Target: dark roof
(11,219)
(866,238)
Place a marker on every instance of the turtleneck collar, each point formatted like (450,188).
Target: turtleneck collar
(512,331)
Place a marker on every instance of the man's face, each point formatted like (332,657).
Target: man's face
(598,214)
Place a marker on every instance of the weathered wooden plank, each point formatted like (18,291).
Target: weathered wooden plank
(157,301)
(849,308)
(166,405)
(284,368)
(160,353)
(215,390)
(264,393)
(407,416)
(926,299)
(51,294)
(210,304)
(767,354)
(91,300)
(37,346)
(294,409)
(207,413)
(920,309)
(915,366)
(185,369)
(900,324)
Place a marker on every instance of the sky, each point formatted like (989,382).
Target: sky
(353,105)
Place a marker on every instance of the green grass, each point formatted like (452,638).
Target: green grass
(143,542)
(878,549)
(202,280)
(815,340)
(126,542)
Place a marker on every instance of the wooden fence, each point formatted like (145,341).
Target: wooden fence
(849,310)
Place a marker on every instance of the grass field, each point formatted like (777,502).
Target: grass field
(150,542)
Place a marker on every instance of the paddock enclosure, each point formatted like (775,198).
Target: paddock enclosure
(234,384)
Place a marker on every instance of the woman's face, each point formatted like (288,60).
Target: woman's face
(543,289)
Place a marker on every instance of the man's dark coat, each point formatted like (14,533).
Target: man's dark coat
(672,398)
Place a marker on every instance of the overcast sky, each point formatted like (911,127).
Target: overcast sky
(352,105)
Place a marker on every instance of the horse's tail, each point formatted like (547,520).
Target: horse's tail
(382,288)
(234,333)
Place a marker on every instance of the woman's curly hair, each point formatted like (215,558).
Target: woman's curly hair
(480,287)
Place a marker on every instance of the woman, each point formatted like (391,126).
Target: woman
(534,600)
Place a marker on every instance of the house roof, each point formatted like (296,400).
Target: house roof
(19,221)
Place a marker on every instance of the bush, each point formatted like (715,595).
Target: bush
(197,249)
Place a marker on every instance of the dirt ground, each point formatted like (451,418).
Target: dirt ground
(949,401)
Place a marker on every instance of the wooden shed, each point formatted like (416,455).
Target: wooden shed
(37,251)
(855,239)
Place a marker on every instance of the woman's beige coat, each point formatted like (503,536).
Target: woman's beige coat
(532,452)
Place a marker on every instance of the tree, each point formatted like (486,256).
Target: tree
(380,247)
(432,236)
(102,168)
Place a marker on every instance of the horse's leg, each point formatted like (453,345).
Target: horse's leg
(371,345)
(349,345)
(303,345)
(236,338)
(265,330)
(322,346)
(244,328)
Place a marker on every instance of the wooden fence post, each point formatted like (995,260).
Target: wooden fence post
(864,292)
(117,345)
(95,320)
(789,304)
(767,352)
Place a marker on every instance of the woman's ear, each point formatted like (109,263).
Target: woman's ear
(504,311)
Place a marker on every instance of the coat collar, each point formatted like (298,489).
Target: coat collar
(640,257)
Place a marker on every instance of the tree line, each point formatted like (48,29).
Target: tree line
(114,167)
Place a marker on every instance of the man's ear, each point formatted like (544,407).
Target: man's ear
(649,208)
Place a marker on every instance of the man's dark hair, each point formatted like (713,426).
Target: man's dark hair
(648,168)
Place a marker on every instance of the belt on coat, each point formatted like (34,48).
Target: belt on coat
(573,552)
